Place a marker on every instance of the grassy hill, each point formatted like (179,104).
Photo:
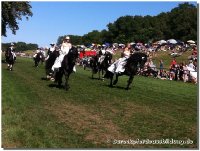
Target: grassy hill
(36,114)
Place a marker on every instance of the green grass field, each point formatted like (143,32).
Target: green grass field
(36,114)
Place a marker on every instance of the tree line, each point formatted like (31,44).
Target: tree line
(20,46)
(180,23)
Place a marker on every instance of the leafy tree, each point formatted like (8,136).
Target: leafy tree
(180,23)
(20,46)
(11,13)
(92,37)
(183,22)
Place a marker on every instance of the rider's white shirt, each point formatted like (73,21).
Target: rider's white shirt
(52,49)
(103,51)
(65,48)
(37,51)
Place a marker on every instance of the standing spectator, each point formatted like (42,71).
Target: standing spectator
(181,71)
(191,65)
(161,67)
(173,62)
(185,73)
(176,69)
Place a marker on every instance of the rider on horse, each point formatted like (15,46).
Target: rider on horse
(65,47)
(103,52)
(37,51)
(12,50)
(50,50)
(118,66)
(10,56)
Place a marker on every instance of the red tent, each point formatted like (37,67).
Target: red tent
(87,53)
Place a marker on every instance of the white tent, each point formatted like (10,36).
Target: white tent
(162,42)
(191,41)
(172,41)
(193,73)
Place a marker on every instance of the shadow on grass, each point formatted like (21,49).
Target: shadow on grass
(94,78)
(44,78)
(3,61)
(115,87)
(53,85)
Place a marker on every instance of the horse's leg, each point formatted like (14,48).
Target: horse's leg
(48,74)
(36,64)
(116,80)
(66,80)
(102,74)
(11,67)
(130,80)
(99,72)
(8,67)
(58,78)
(92,74)
(111,79)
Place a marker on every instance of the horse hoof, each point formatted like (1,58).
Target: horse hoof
(114,83)
(52,79)
(67,88)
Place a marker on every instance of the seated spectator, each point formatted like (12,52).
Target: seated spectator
(191,65)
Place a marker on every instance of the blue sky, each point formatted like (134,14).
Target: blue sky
(53,19)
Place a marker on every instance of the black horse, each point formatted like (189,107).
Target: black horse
(67,67)
(10,59)
(86,63)
(100,67)
(39,57)
(49,63)
(134,62)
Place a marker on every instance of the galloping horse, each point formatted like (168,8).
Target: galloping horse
(67,67)
(49,63)
(9,59)
(39,57)
(100,67)
(134,62)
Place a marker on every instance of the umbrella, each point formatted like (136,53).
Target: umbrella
(172,41)
(191,41)
(121,45)
(179,42)
(132,43)
(162,42)
(139,43)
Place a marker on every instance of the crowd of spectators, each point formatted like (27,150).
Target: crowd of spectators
(178,71)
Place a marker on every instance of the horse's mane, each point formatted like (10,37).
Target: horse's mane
(69,59)
(136,57)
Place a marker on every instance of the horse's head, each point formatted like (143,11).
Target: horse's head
(142,60)
(108,57)
(73,53)
(137,60)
